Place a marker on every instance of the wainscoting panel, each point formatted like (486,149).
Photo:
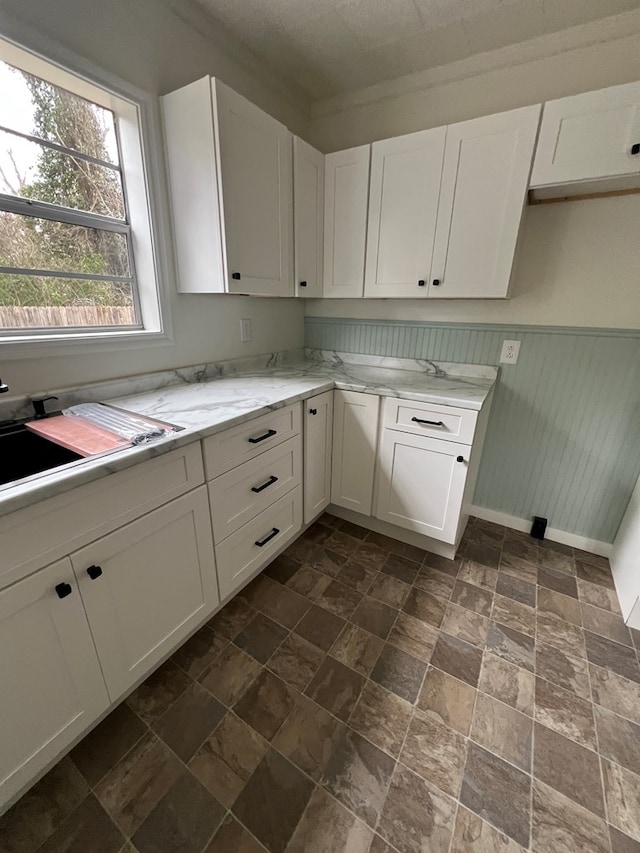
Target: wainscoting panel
(564,433)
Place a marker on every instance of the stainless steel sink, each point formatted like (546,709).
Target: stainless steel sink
(23,453)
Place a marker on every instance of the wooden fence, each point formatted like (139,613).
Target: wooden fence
(46,317)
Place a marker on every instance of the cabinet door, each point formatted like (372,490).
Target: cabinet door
(156,580)
(318,441)
(355,430)
(590,136)
(487,163)
(345,221)
(421,483)
(256,174)
(52,686)
(403,206)
(308,218)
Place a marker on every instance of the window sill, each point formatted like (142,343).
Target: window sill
(37,346)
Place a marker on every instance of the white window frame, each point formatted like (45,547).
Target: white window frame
(139,133)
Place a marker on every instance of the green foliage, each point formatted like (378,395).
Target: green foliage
(31,243)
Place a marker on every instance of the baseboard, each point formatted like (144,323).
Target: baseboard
(594,546)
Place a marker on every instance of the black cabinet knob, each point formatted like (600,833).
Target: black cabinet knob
(94,572)
(635,148)
(313,411)
(436,282)
(421,283)
(236,276)
(303,284)
(63,590)
(460,459)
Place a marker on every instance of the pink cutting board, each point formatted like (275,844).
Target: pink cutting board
(78,435)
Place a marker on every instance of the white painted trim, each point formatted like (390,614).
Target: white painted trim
(594,546)
(614,28)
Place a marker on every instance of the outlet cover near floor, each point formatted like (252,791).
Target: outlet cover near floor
(245,330)
(510,351)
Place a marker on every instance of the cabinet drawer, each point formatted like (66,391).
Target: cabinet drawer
(445,422)
(50,529)
(240,556)
(239,495)
(234,446)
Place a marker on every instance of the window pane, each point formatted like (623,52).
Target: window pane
(32,171)
(36,302)
(30,243)
(34,106)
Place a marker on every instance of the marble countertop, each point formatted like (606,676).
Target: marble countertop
(203,404)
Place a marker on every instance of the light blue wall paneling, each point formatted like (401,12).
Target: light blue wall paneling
(564,432)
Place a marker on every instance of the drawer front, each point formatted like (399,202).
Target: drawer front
(234,446)
(52,528)
(239,556)
(239,495)
(445,422)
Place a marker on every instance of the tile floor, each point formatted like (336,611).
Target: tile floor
(363,695)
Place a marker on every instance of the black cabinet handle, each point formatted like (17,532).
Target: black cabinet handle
(313,411)
(94,572)
(460,459)
(303,284)
(635,148)
(429,423)
(421,283)
(269,434)
(236,276)
(63,589)
(268,538)
(264,486)
(436,282)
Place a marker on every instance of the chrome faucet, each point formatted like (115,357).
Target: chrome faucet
(3,387)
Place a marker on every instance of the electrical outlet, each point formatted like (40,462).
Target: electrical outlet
(245,330)
(510,351)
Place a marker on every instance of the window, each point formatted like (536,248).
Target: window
(76,249)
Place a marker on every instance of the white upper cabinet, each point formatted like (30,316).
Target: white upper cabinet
(308,218)
(487,163)
(403,207)
(593,137)
(345,222)
(230,175)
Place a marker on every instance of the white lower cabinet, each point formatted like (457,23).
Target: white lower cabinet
(355,431)
(247,550)
(318,441)
(147,586)
(421,483)
(52,687)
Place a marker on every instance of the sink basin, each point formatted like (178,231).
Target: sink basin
(23,454)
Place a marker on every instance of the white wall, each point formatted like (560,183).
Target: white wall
(578,262)
(148,44)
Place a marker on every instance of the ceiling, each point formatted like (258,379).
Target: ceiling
(330,47)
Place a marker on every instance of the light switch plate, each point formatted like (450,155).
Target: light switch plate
(510,352)
(245,330)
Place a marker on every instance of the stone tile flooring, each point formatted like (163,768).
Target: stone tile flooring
(363,695)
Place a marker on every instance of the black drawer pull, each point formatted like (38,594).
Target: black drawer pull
(269,434)
(313,411)
(429,423)
(63,589)
(268,538)
(635,148)
(421,283)
(236,276)
(94,572)
(303,284)
(264,486)
(436,282)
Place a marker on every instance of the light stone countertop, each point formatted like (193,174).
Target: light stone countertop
(213,398)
